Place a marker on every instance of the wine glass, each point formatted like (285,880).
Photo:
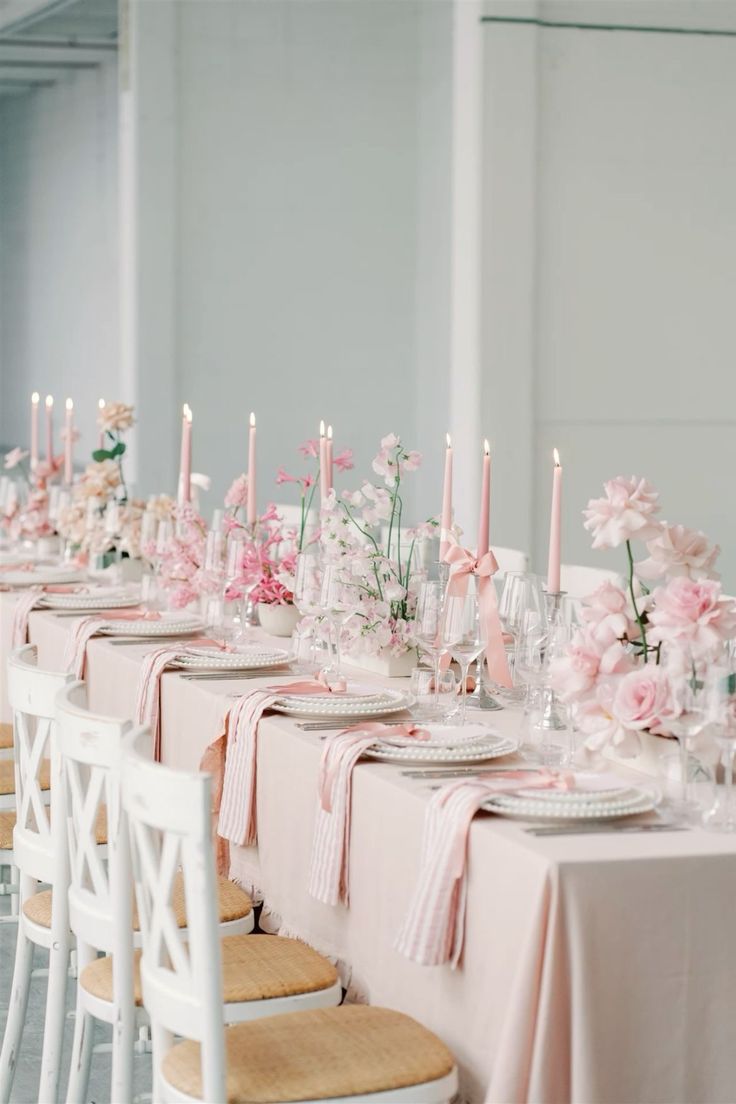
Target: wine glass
(521,593)
(307,597)
(337,603)
(464,635)
(721,817)
(428,626)
(693,694)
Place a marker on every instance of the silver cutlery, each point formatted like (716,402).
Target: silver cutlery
(118,642)
(459,772)
(327,726)
(245,673)
(600,829)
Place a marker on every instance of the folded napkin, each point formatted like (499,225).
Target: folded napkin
(237,820)
(328,876)
(434,927)
(28,601)
(148,692)
(75,655)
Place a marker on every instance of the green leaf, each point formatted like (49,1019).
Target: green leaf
(101,454)
(118,450)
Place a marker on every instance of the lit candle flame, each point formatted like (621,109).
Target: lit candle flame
(252,418)
(187,412)
(49,401)
(556,456)
(35,398)
(69,404)
(322,428)
(486,447)
(101,404)
(329,433)
(449,441)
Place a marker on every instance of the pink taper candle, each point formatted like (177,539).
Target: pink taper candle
(101,440)
(446,518)
(324,487)
(330,471)
(553,566)
(185,465)
(35,400)
(49,428)
(68,441)
(485,503)
(251,506)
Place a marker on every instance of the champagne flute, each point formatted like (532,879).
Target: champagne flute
(692,692)
(721,817)
(463,635)
(428,626)
(337,603)
(307,598)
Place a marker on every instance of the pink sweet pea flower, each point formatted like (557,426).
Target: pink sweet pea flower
(625,512)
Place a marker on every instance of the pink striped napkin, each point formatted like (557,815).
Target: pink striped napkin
(148,692)
(434,927)
(28,601)
(328,876)
(75,655)
(237,821)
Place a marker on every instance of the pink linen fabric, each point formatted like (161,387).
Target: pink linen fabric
(28,601)
(148,692)
(75,655)
(329,869)
(434,927)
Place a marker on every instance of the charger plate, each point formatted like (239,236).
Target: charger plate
(210,660)
(637,800)
(169,625)
(96,598)
(477,749)
(348,706)
(42,576)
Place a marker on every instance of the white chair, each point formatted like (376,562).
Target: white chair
(345,1054)
(6,741)
(8,870)
(40,855)
(510,559)
(579,581)
(101,916)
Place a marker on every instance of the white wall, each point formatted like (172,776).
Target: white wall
(610,267)
(58,250)
(308,225)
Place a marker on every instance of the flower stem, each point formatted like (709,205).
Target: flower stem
(637,615)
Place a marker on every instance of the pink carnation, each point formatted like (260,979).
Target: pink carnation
(677,550)
(625,512)
(694,614)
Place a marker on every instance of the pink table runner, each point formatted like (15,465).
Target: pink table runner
(596,969)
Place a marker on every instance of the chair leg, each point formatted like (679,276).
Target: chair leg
(84,1029)
(123,1030)
(161,1043)
(53,1032)
(17,1006)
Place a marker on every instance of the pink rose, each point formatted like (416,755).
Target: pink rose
(600,726)
(677,550)
(626,512)
(692,613)
(609,614)
(644,698)
(586,661)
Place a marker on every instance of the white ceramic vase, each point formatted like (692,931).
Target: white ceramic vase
(277,619)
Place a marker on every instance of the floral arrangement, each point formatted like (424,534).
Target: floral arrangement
(26,516)
(380,572)
(114,419)
(309,482)
(620,670)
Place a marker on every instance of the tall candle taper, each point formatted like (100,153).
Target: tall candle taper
(323,477)
(251,506)
(35,400)
(101,441)
(330,469)
(185,465)
(446,518)
(68,441)
(485,503)
(553,566)
(50,429)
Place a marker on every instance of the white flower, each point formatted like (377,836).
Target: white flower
(115,417)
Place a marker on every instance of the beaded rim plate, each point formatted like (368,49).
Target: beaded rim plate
(114,599)
(524,808)
(227,661)
(475,752)
(164,627)
(327,705)
(40,577)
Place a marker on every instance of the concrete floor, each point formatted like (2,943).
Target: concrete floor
(25,1087)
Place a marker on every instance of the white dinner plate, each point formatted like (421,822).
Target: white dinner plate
(345,706)
(94,598)
(420,751)
(169,625)
(637,800)
(209,660)
(41,576)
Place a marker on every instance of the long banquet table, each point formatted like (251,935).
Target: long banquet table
(597,968)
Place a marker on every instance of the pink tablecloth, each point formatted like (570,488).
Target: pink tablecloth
(597,968)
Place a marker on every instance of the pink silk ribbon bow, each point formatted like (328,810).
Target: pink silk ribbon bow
(330,865)
(434,926)
(463,564)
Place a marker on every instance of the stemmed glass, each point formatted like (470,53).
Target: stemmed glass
(428,626)
(721,817)
(521,594)
(693,695)
(463,635)
(337,604)
(307,598)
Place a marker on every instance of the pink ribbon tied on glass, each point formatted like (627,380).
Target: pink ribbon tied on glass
(462,565)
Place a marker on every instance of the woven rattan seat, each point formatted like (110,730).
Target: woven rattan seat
(315,1055)
(6,736)
(7,776)
(234,904)
(253,968)
(7,823)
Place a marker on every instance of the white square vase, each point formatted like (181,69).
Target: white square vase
(386,664)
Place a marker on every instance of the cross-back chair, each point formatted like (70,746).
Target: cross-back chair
(346,1054)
